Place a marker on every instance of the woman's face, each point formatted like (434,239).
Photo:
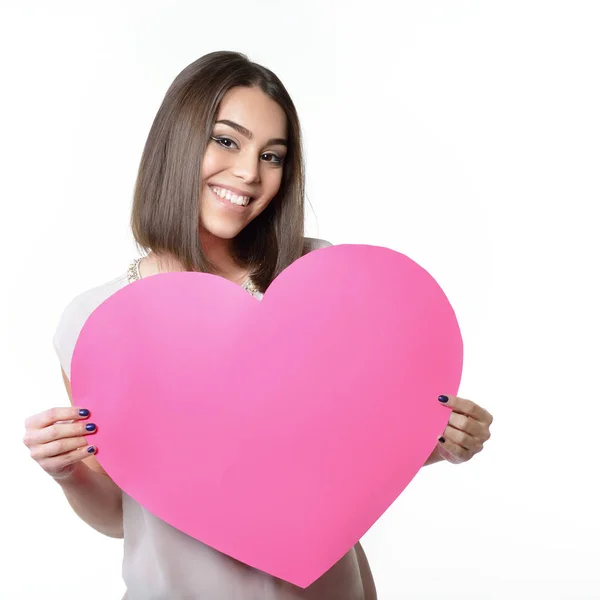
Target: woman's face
(243,162)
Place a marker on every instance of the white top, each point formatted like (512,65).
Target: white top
(162,563)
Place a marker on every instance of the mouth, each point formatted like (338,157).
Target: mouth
(229,196)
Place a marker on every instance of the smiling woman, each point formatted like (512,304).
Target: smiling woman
(220,189)
(230,124)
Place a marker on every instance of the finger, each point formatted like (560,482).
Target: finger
(54,465)
(59,431)
(462,439)
(468,407)
(51,416)
(469,425)
(453,452)
(34,437)
(57,448)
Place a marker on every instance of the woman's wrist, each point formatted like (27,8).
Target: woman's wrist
(434,457)
(74,477)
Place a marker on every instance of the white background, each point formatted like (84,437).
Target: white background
(463,134)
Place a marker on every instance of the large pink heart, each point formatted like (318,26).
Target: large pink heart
(275,431)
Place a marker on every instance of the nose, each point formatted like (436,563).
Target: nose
(247,167)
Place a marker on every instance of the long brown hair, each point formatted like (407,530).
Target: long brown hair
(166,201)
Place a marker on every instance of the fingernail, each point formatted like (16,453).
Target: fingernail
(84,412)
(442,439)
(91,450)
(90,427)
(443,399)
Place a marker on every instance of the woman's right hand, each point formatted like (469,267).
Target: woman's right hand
(56,440)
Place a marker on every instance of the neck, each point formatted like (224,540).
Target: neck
(217,250)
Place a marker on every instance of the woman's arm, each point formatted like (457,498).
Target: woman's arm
(365,573)
(95,498)
(92,494)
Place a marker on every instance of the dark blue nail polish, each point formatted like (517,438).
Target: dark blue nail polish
(90,427)
(443,399)
(84,412)
(91,449)
(442,439)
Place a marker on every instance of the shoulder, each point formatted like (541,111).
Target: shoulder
(311,244)
(76,313)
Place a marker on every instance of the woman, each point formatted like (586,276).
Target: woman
(220,189)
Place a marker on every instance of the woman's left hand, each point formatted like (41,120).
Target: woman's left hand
(467,431)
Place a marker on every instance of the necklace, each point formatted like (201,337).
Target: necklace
(133,274)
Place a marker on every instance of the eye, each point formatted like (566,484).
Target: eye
(225,142)
(276,160)
(229,144)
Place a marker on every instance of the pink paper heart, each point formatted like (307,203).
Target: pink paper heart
(275,431)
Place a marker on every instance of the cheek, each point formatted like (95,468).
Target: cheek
(211,163)
(272,181)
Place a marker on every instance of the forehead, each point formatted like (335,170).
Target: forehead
(253,109)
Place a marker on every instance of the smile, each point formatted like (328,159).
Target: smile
(226,194)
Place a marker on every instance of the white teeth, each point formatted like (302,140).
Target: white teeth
(233,198)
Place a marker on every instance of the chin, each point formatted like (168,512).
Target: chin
(221,229)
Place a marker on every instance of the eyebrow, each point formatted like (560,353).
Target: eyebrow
(247,133)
